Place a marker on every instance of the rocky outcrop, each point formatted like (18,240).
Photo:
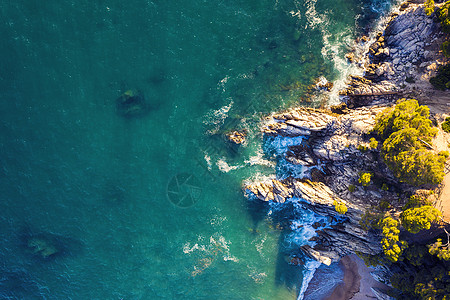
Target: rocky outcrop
(273,190)
(401,56)
(237,137)
(332,144)
(407,40)
(335,146)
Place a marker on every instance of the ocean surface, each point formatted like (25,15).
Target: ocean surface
(105,197)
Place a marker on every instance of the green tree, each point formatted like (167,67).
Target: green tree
(405,114)
(417,167)
(445,47)
(419,218)
(405,130)
(444,16)
(392,245)
(441,250)
(442,79)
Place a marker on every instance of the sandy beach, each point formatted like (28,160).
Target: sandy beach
(357,281)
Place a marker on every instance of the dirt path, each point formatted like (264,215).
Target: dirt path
(441,143)
(444,199)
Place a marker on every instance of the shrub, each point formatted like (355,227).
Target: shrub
(445,47)
(446,125)
(392,246)
(429,7)
(419,218)
(371,219)
(444,17)
(351,188)
(385,187)
(442,251)
(340,207)
(384,205)
(373,143)
(362,148)
(364,179)
(416,201)
(442,80)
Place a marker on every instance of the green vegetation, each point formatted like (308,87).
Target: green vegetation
(373,143)
(445,47)
(392,245)
(416,201)
(351,188)
(429,7)
(364,179)
(370,219)
(406,114)
(419,218)
(421,276)
(405,130)
(442,80)
(444,17)
(340,207)
(385,187)
(362,148)
(442,251)
(446,125)
(419,271)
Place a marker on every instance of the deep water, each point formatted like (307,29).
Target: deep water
(98,203)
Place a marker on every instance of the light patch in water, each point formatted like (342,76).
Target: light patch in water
(225,167)
(216,118)
(217,249)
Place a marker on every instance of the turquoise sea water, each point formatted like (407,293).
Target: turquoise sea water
(151,207)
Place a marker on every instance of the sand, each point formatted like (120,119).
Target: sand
(357,281)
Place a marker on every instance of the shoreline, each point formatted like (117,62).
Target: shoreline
(358,282)
(397,64)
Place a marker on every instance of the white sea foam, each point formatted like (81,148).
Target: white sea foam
(216,118)
(258,159)
(188,249)
(225,167)
(310,268)
(260,244)
(281,144)
(258,277)
(208,161)
(259,177)
(222,83)
(312,17)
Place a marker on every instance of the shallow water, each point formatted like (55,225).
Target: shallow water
(150,207)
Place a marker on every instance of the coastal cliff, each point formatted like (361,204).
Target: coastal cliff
(334,148)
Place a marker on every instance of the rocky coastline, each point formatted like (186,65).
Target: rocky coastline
(335,147)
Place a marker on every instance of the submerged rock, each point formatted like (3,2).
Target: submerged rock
(48,246)
(42,246)
(237,137)
(132,104)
